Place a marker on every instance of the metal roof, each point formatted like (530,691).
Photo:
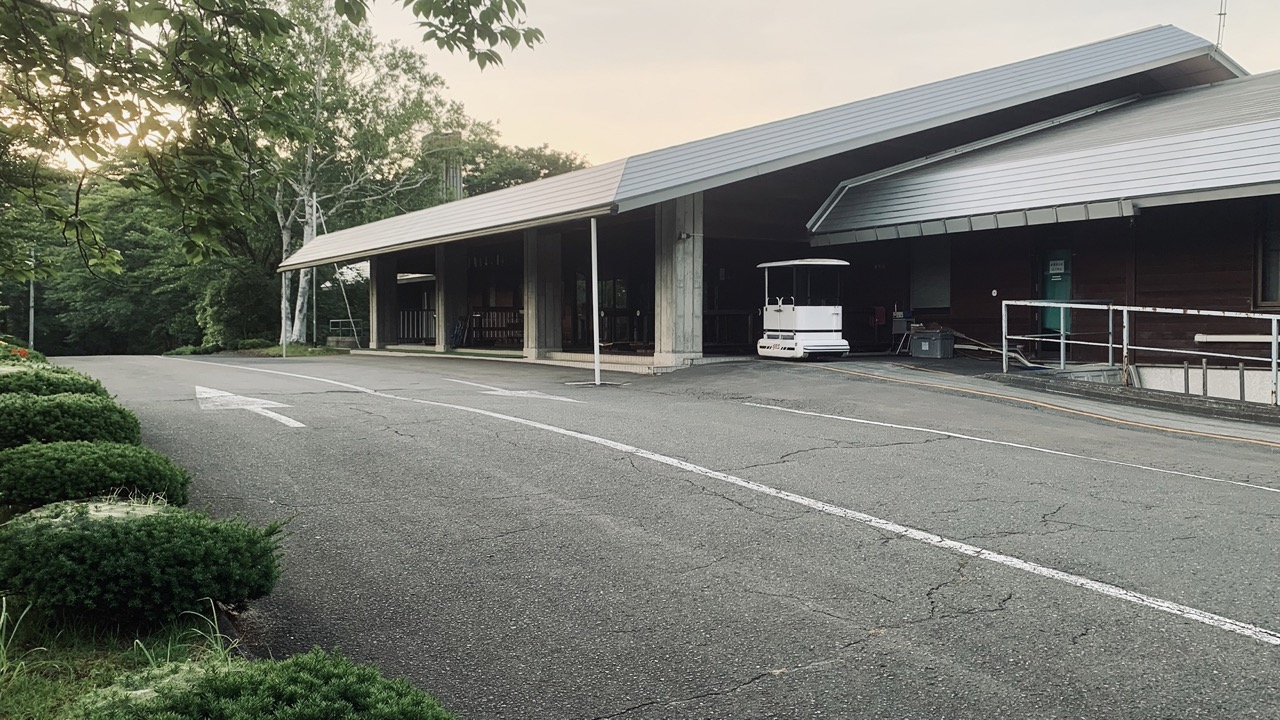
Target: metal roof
(1222,139)
(580,194)
(653,177)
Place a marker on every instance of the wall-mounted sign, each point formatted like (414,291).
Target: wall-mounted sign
(1057,267)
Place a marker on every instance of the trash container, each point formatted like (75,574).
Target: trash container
(932,344)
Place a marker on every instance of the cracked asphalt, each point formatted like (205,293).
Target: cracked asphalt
(517,571)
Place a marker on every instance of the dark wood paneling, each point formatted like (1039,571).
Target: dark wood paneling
(999,260)
(1200,257)
(1191,256)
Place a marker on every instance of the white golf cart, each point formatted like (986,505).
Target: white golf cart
(805,318)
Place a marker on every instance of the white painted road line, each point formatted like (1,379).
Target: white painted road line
(1223,623)
(211,399)
(277,416)
(491,390)
(1033,448)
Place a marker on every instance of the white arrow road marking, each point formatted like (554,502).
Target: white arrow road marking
(211,399)
(276,416)
(491,390)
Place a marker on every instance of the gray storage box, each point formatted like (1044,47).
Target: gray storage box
(932,344)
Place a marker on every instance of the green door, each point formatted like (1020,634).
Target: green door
(1057,287)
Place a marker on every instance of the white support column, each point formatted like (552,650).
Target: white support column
(595,300)
(678,251)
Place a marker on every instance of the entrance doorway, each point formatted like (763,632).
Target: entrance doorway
(1057,287)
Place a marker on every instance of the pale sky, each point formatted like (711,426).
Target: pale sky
(619,77)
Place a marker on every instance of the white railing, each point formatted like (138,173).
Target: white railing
(1125,346)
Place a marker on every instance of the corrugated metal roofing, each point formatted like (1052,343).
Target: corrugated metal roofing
(676,171)
(653,177)
(583,193)
(1206,138)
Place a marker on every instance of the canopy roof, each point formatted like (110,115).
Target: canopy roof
(653,177)
(1208,142)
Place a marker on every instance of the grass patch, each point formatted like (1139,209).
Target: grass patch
(46,665)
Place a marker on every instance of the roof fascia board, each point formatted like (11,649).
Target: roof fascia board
(410,245)
(1095,209)
(715,181)
(1229,193)
(1074,212)
(1085,209)
(1226,62)
(834,199)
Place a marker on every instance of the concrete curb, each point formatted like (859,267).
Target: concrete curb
(1139,397)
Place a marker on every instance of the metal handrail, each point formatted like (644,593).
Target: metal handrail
(1125,346)
(346,328)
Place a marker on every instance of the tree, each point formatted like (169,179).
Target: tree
(161,78)
(490,165)
(147,308)
(366,119)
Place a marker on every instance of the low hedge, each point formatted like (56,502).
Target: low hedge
(316,685)
(67,416)
(41,473)
(138,564)
(255,344)
(196,350)
(44,379)
(13,350)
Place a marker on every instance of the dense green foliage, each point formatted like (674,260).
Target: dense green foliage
(490,165)
(68,416)
(238,303)
(41,473)
(311,686)
(42,379)
(362,126)
(120,562)
(180,85)
(254,344)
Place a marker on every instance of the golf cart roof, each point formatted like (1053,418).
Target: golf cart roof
(805,261)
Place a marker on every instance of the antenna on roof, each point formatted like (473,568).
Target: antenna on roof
(1222,22)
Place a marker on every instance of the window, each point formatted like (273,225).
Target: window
(1269,254)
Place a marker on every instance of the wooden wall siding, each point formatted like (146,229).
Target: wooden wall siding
(1193,256)
(1197,256)
(1000,260)
(1101,260)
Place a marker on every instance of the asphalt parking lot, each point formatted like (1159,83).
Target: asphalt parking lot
(749,540)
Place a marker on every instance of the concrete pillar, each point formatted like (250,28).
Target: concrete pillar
(678,249)
(451,291)
(542,294)
(384,315)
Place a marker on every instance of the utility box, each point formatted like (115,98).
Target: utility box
(932,344)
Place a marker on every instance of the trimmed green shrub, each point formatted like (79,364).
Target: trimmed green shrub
(195,350)
(38,473)
(42,379)
(15,351)
(255,344)
(134,563)
(68,416)
(311,686)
